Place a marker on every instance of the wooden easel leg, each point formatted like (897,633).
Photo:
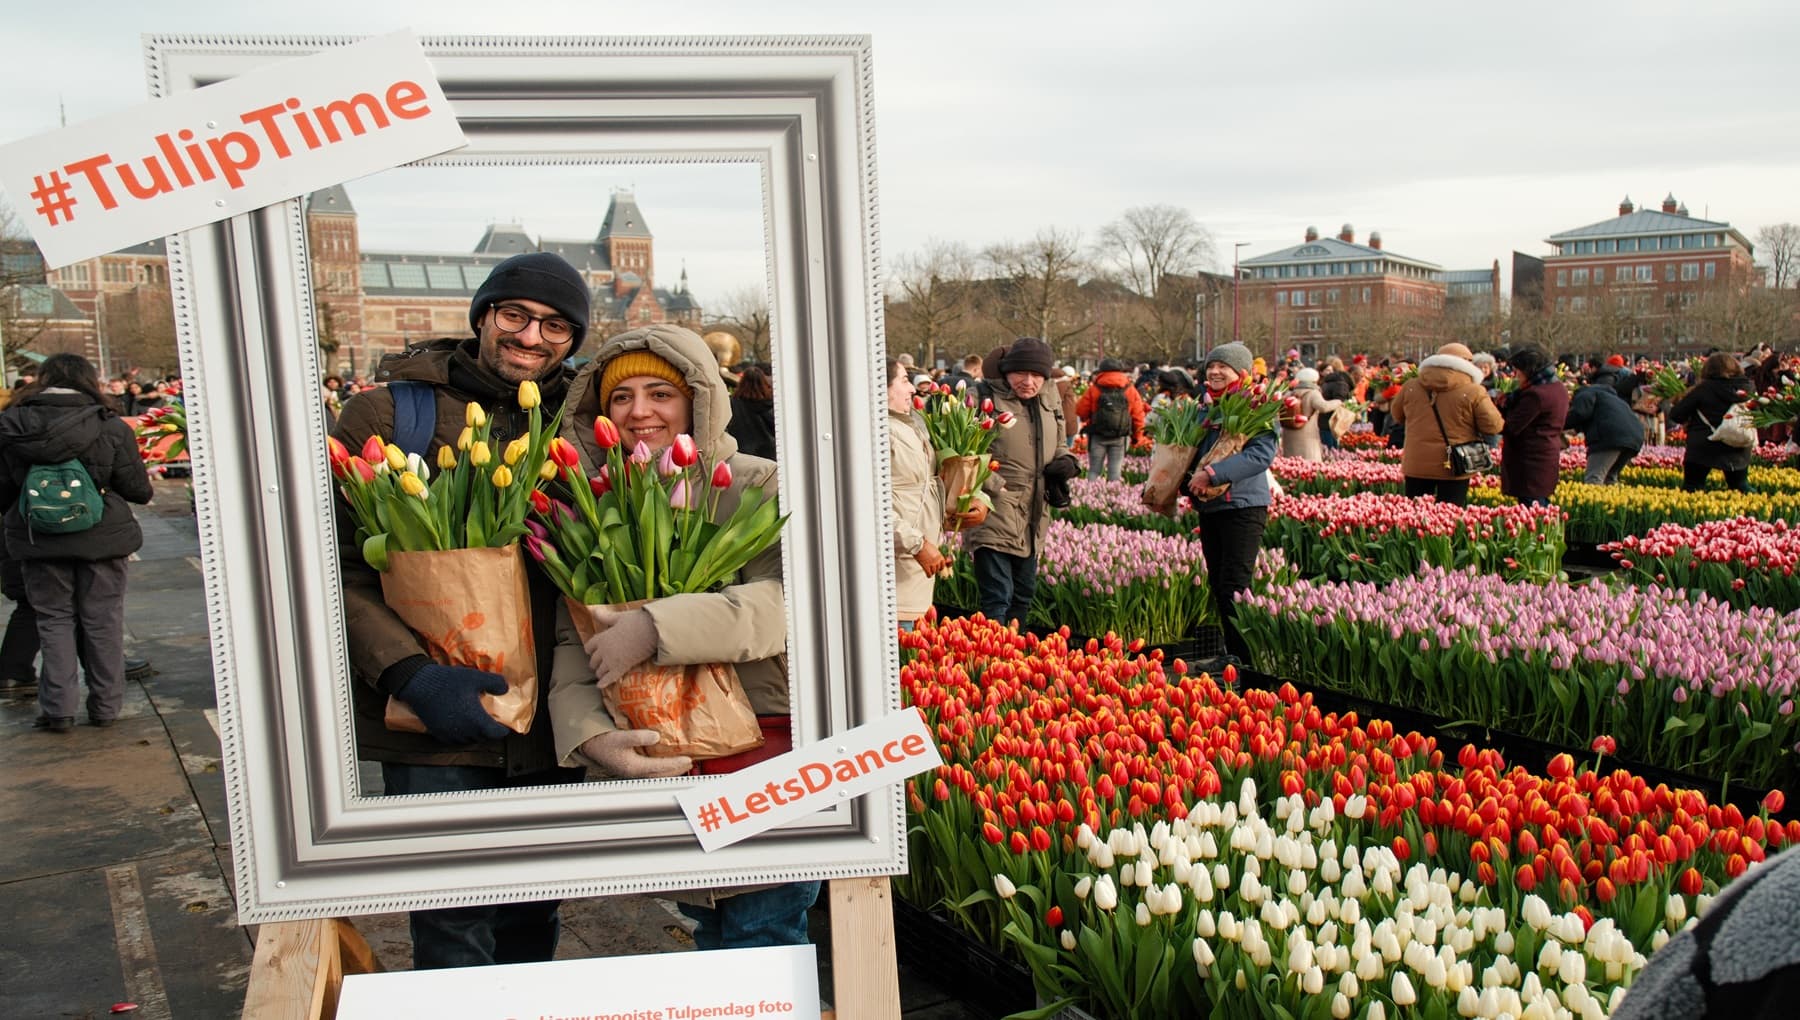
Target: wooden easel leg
(865,974)
(299,966)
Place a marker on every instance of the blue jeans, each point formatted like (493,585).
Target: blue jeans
(495,933)
(768,917)
(1106,455)
(1005,584)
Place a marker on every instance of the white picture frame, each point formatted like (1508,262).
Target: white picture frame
(305,842)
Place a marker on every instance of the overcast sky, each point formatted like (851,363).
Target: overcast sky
(1460,135)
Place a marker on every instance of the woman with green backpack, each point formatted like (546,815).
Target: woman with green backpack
(68,466)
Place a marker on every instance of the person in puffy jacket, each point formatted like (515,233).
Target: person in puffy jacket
(1107,441)
(74,580)
(1307,440)
(1613,432)
(1532,440)
(1721,385)
(1447,390)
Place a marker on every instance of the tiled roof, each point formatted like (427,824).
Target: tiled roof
(330,200)
(623,218)
(1330,249)
(1644,221)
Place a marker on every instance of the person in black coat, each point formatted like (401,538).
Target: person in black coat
(75,580)
(1613,432)
(1721,385)
(752,421)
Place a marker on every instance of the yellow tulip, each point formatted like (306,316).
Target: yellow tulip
(446,458)
(479,454)
(529,397)
(475,417)
(396,459)
(516,449)
(411,485)
(502,477)
(547,473)
(465,438)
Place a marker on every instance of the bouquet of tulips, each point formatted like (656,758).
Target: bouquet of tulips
(962,432)
(645,527)
(162,433)
(1777,405)
(1175,429)
(1240,414)
(447,549)
(1667,382)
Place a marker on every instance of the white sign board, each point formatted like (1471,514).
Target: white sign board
(810,778)
(248,142)
(781,983)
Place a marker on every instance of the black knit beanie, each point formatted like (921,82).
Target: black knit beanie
(535,276)
(1028,354)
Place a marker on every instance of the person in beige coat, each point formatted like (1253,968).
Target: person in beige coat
(656,383)
(918,500)
(1304,442)
(1450,382)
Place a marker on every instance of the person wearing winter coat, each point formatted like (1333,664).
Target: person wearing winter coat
(656,383)
(1030,450)
(1306,441)
(1107,442)
(1613,432)
(753,414)
(74,580)
(1721,385)
(1448,389)
(918,500)
(1066,382)
(1532,441)
(1231,524)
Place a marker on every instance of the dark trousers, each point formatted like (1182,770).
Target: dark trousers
(1005,585)
(19,648)
(1327,438)
(1230,540)
(1445,490)
(482,935)
(767,917)
(80,607)
(1693,477)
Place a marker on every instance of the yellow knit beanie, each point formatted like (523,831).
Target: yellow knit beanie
(635,363)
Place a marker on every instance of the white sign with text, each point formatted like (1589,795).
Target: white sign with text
(810,778)
(260,138)
(780,983)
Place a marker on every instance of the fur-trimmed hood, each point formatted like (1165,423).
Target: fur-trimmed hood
(1440,371)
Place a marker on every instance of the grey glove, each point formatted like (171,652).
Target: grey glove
(625,640)
(617,752)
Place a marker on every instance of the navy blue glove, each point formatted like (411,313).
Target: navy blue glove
(447,700)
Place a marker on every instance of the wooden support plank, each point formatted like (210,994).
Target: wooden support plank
(299,968)
(865,973)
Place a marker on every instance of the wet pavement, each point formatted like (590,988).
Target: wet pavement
(115,883)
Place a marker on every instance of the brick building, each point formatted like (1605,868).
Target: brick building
(1647,277)
(1335,296)
(121,280)
(1472,305)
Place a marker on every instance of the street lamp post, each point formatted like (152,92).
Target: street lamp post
(1235,249)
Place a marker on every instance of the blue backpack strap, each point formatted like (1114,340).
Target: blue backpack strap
(415,416)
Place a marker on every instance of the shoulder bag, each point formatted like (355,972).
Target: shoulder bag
(1466,459)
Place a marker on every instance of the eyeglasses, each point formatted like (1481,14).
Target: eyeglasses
(513,319)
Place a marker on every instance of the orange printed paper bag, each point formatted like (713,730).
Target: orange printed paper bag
(472,608)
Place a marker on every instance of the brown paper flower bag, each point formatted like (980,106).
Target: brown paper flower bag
(1164,486)
(472,608)
(957,475)
(698,710)
(1229,443)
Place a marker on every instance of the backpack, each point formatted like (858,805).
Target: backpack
(1112,414)
(60,499)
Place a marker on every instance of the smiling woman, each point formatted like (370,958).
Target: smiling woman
(760,171)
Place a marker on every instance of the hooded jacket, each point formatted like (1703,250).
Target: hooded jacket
(379,641)
(1603,417)
(1453,384)
(52,426)
(1304,442)
(1710,399)
(1531,451)
(1020,518)
(746,622)
(918,508)
(1134,402)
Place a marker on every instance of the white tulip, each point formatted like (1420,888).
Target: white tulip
(1468,1003)
(1300,954)
(1503,943)
(1004,887)
(1143,914)
(1081,887)
(1183,870)
(1535,912)
(1659,939)
(1550,957)
(1702,903)
(1100,855)
(1221,876)
(1084,836)
(1265,844)
(1106,897)
(1574,968)
(1159,834)
(1228,816)
(1376,1011)
(1348,986)
(1354,806)
(1369,967)
(1296,883)
(1313,981)
(1228,926)
(1350,911)
(1317,914)
(1340,1007)
(1143,876)
(1247,797)
(1201,883)
(1434,972)
(1402,993)
(1532,987)
(1209,847)
(1675,909)
(1249,889)
(1068,940)
(1353,888)
(1204,926)
(1238,982)
(1203,955)
(1252,866)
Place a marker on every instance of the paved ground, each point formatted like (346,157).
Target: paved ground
(115,883)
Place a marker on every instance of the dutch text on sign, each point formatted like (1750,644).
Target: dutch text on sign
(262,137)
(810,779)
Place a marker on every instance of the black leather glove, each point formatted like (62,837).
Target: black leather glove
(1056,480)
(447,700)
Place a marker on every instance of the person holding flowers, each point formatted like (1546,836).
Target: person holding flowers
(528,317)
(1032,459)
(656,392)
(1231,493)
(1701,409)
(918,499)
(1532,434)
(1303,432)
(1445,405)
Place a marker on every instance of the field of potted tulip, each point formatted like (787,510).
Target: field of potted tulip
(1742,561)
(1083,816)
(1369,537)
(1608,513)
(1679,681)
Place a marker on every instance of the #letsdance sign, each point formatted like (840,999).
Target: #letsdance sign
(197,157)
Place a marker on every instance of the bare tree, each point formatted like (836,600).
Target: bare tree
(745,312)
(930,295)
(23,317)
(1780,243)
(1152,244)
(1036,287)
(141,325)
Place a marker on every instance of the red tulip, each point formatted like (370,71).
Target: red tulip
(684,453)
(1604,744)
(1054,917)
(373,451)
(362,468)
(336,452)
(721,476)
(540,502)
(563,453)
(1774,801)
(606,434)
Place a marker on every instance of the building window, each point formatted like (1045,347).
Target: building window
(1562,304)
(1691,241)
(1562,277)
(1669,273)
(1690,270)
(1312,322)
(1628,244)
(1643,304)
(1643,275)
(1711,268)
(1687,299)
(1623,304)
(1365,296)
(1314,298)
(1331,297)
(1281,297)
(1578,304)
(1607,247)
(1579,278)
